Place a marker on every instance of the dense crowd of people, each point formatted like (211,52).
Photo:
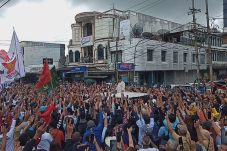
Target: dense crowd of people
(79,117)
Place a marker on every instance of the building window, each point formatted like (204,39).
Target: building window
(175,57)
(202,59)
(214,56)
(77,56)
(163,55)
(106,53)
(116,56)
(100,52)
(150,54)
(87,55)
(193,58)
(70,56)
(87,29)
(185,57)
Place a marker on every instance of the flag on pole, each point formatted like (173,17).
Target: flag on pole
(53,82)
(16,52)
(45,77)
(12,62)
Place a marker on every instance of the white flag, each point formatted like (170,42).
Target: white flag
(15,51)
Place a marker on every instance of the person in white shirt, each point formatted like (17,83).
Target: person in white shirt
(46,139)
(120,86)
(10,134)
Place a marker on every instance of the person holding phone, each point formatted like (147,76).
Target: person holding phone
(93,130)
(182,138)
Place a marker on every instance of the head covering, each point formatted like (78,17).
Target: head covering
(182,129)
(214,113)
(43,108)
(90,124)
(76,137)
(23,139)
(69,110)
(108,139)
(207,125)
(193,109)
(154,100)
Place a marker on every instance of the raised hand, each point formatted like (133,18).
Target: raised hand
(41,129)
(69,128)
(4,130)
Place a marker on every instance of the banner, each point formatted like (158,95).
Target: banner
(125,67)
(12,63)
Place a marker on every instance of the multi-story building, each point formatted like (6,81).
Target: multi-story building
(137,46)
(36,52)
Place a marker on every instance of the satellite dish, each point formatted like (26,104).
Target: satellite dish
(163,31)
(137,29)
(147,35)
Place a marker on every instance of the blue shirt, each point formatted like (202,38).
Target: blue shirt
(97,132)
(141,123)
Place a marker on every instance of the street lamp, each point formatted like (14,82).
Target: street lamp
(134,69)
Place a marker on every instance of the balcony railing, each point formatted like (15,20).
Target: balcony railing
(87,59)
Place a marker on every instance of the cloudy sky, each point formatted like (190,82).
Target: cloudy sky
(50,20)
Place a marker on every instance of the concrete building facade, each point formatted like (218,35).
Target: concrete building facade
(162,51)
(35,52)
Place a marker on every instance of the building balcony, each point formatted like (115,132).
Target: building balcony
(87,59)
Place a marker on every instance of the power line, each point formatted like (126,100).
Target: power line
(149,6)
(160,45)
(149,39)
(4,3)
(137,4)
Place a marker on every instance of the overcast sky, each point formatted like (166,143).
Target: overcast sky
(50,20)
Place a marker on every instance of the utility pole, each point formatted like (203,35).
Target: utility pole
(116,62)
(209,44)
(193,11)
(116,55)
(134,69)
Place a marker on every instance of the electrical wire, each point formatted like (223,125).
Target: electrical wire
(153,3)
(4,3)
(137,4)
(146,42)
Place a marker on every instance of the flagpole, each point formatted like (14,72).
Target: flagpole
(52,84)
(16,53)
(14,35)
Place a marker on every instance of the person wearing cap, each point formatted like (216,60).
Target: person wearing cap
(96,130)
(46,112)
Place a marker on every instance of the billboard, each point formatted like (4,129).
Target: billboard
(86,41)
(125,29)
(49,60)
(125,67)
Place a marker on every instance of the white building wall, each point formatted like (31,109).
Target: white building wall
(76,34)
(128,50)
(103,28)
(152,24)
(33,55)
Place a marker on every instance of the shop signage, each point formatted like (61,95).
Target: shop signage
(125,66)
(86,41)
(79,69)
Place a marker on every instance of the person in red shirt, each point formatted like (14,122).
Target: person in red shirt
(46,112)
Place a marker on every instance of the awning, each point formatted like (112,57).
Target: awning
(97,77)
(75,72)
